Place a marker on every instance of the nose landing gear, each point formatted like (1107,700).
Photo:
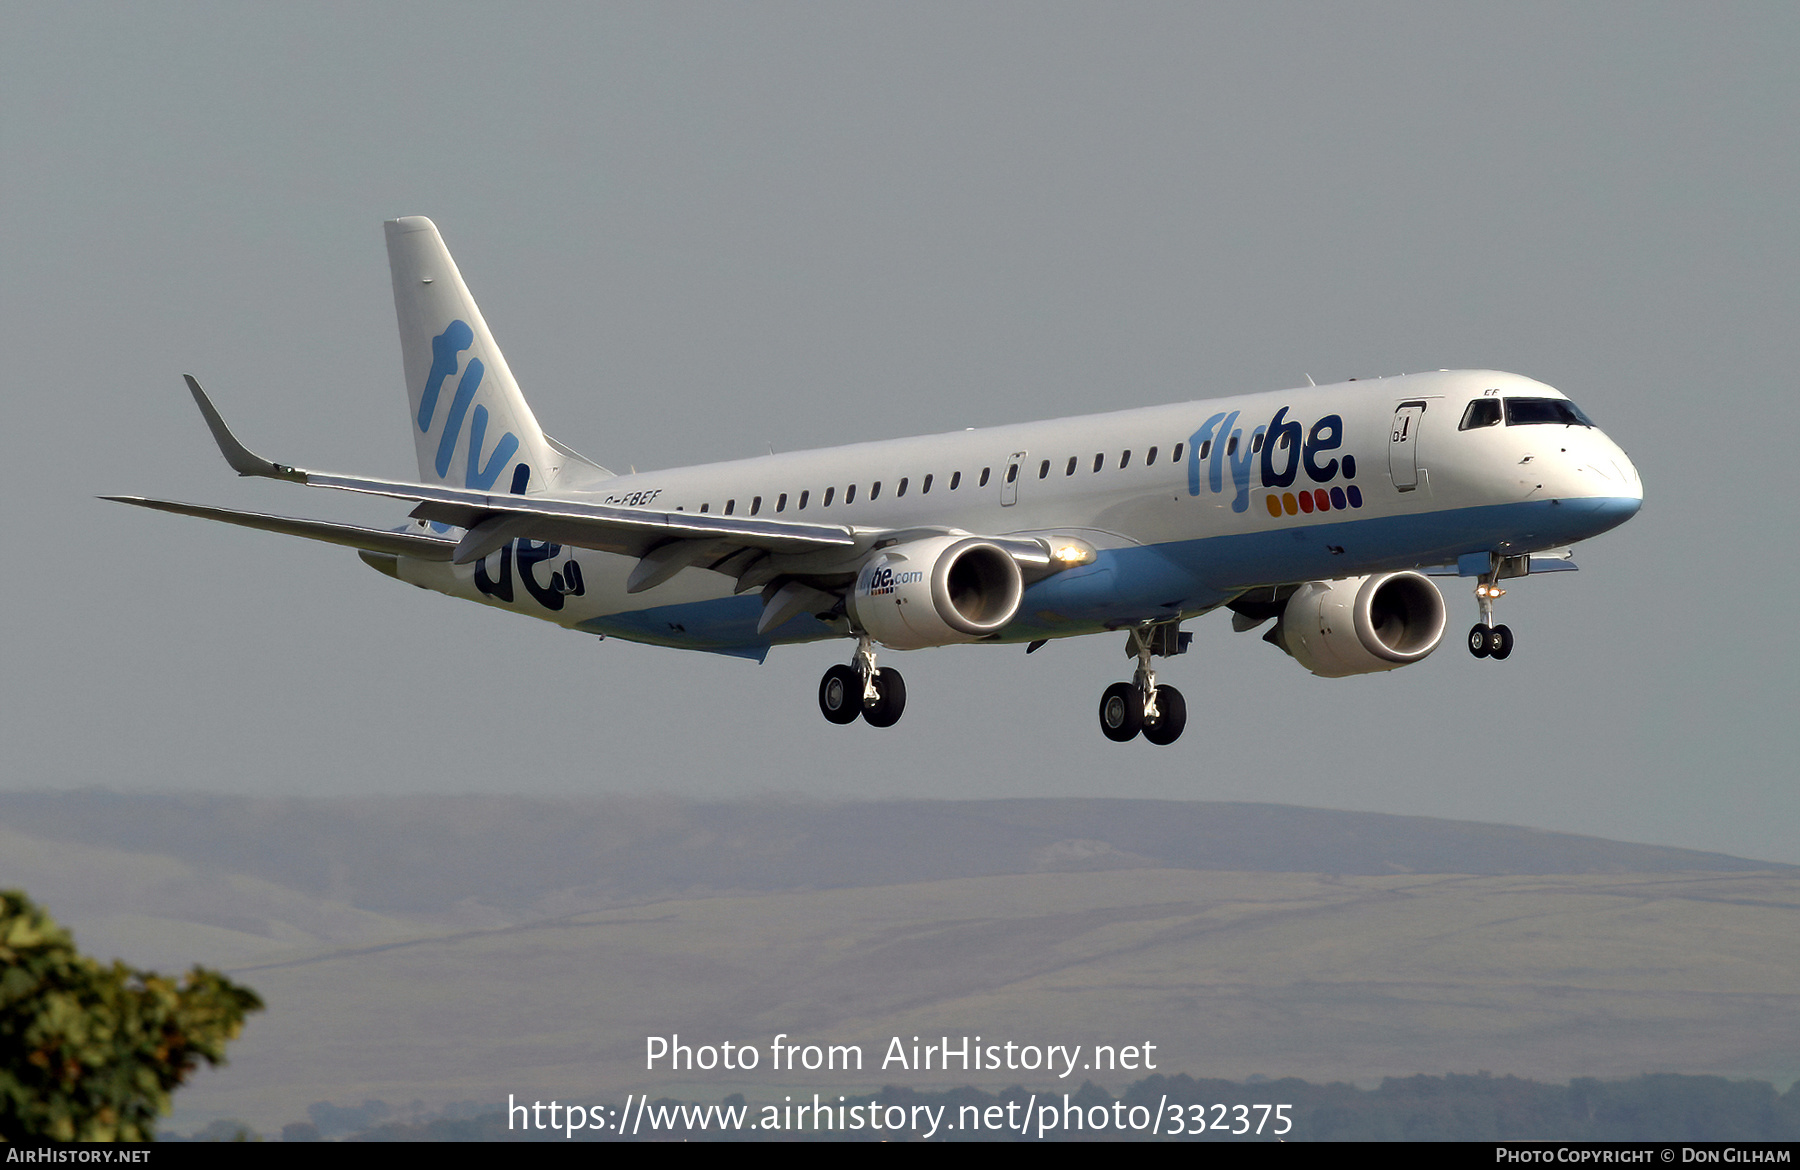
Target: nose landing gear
(878,695)
(1159,712)
(1487,640)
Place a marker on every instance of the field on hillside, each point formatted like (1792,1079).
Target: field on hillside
(428,953)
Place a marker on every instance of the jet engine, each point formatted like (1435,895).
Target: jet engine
(936,592)
(1361,624)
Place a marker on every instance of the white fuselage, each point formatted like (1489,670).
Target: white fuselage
(1187,506)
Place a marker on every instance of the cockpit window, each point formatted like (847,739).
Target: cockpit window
(1522,412)
(1483,412)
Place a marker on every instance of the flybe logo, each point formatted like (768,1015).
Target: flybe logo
(1276,453)
(446,355)
(885,580)
(521,558)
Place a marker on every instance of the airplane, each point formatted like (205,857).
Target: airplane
(1326,509)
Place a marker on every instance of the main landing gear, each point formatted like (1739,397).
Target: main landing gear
(1141,705)
(879,696)
(1487,640)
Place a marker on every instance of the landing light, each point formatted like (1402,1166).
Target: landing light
(1070,553)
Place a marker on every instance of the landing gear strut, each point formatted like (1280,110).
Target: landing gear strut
(1159,712)
(1487,640)
(878,695)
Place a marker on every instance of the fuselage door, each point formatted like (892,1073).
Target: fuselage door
(1009,487)
(1403,446)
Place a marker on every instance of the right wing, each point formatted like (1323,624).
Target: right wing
(380,540)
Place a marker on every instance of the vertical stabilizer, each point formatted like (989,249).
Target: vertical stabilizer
(469,421)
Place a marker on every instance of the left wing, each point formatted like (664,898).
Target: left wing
(664,542)
(787,560)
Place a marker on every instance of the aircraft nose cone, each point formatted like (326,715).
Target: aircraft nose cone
(1599,483)
(1626,492)
(1628,472)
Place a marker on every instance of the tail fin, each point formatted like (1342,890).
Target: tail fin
(457,381)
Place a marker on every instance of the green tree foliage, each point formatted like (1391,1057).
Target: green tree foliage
(91,1052)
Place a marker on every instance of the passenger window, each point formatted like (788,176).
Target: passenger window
(1124,461)
(755,505)
(874,491)
(1175,455)
(705,507)
(1483,412)
(803,497)
(925,487)
(781,502)
(901,490)
(1150,457)
(1044,470)
(983,483)
(850,494)
(1256,443)
(1099,462)
(1071,470)
(729,505)
(826,502)
(1231,445)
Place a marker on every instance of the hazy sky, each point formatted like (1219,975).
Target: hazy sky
(702,230)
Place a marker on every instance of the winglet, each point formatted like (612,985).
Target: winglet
(242,459)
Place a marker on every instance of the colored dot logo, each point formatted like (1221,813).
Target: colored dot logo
(1316,500)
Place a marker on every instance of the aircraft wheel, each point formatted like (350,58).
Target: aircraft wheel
(890,702)
(1121,712)
(1478,641)
(1500,642)
(840,695)
(1171,717)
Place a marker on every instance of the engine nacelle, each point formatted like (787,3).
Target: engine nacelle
(935,592)
(1361,624)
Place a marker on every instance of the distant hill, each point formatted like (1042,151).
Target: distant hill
(419,854)
(463,948)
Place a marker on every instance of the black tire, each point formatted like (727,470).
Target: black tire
(890,701)
(840,695)
(1121,712)
(1500,642)
(1171,717)
(1478,640)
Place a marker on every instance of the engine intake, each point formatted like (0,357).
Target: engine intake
(936,592)
(1359,625)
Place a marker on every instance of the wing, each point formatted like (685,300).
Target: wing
(757,552)
(378,540)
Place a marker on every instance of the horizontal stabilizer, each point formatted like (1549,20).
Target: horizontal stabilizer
(426,548)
